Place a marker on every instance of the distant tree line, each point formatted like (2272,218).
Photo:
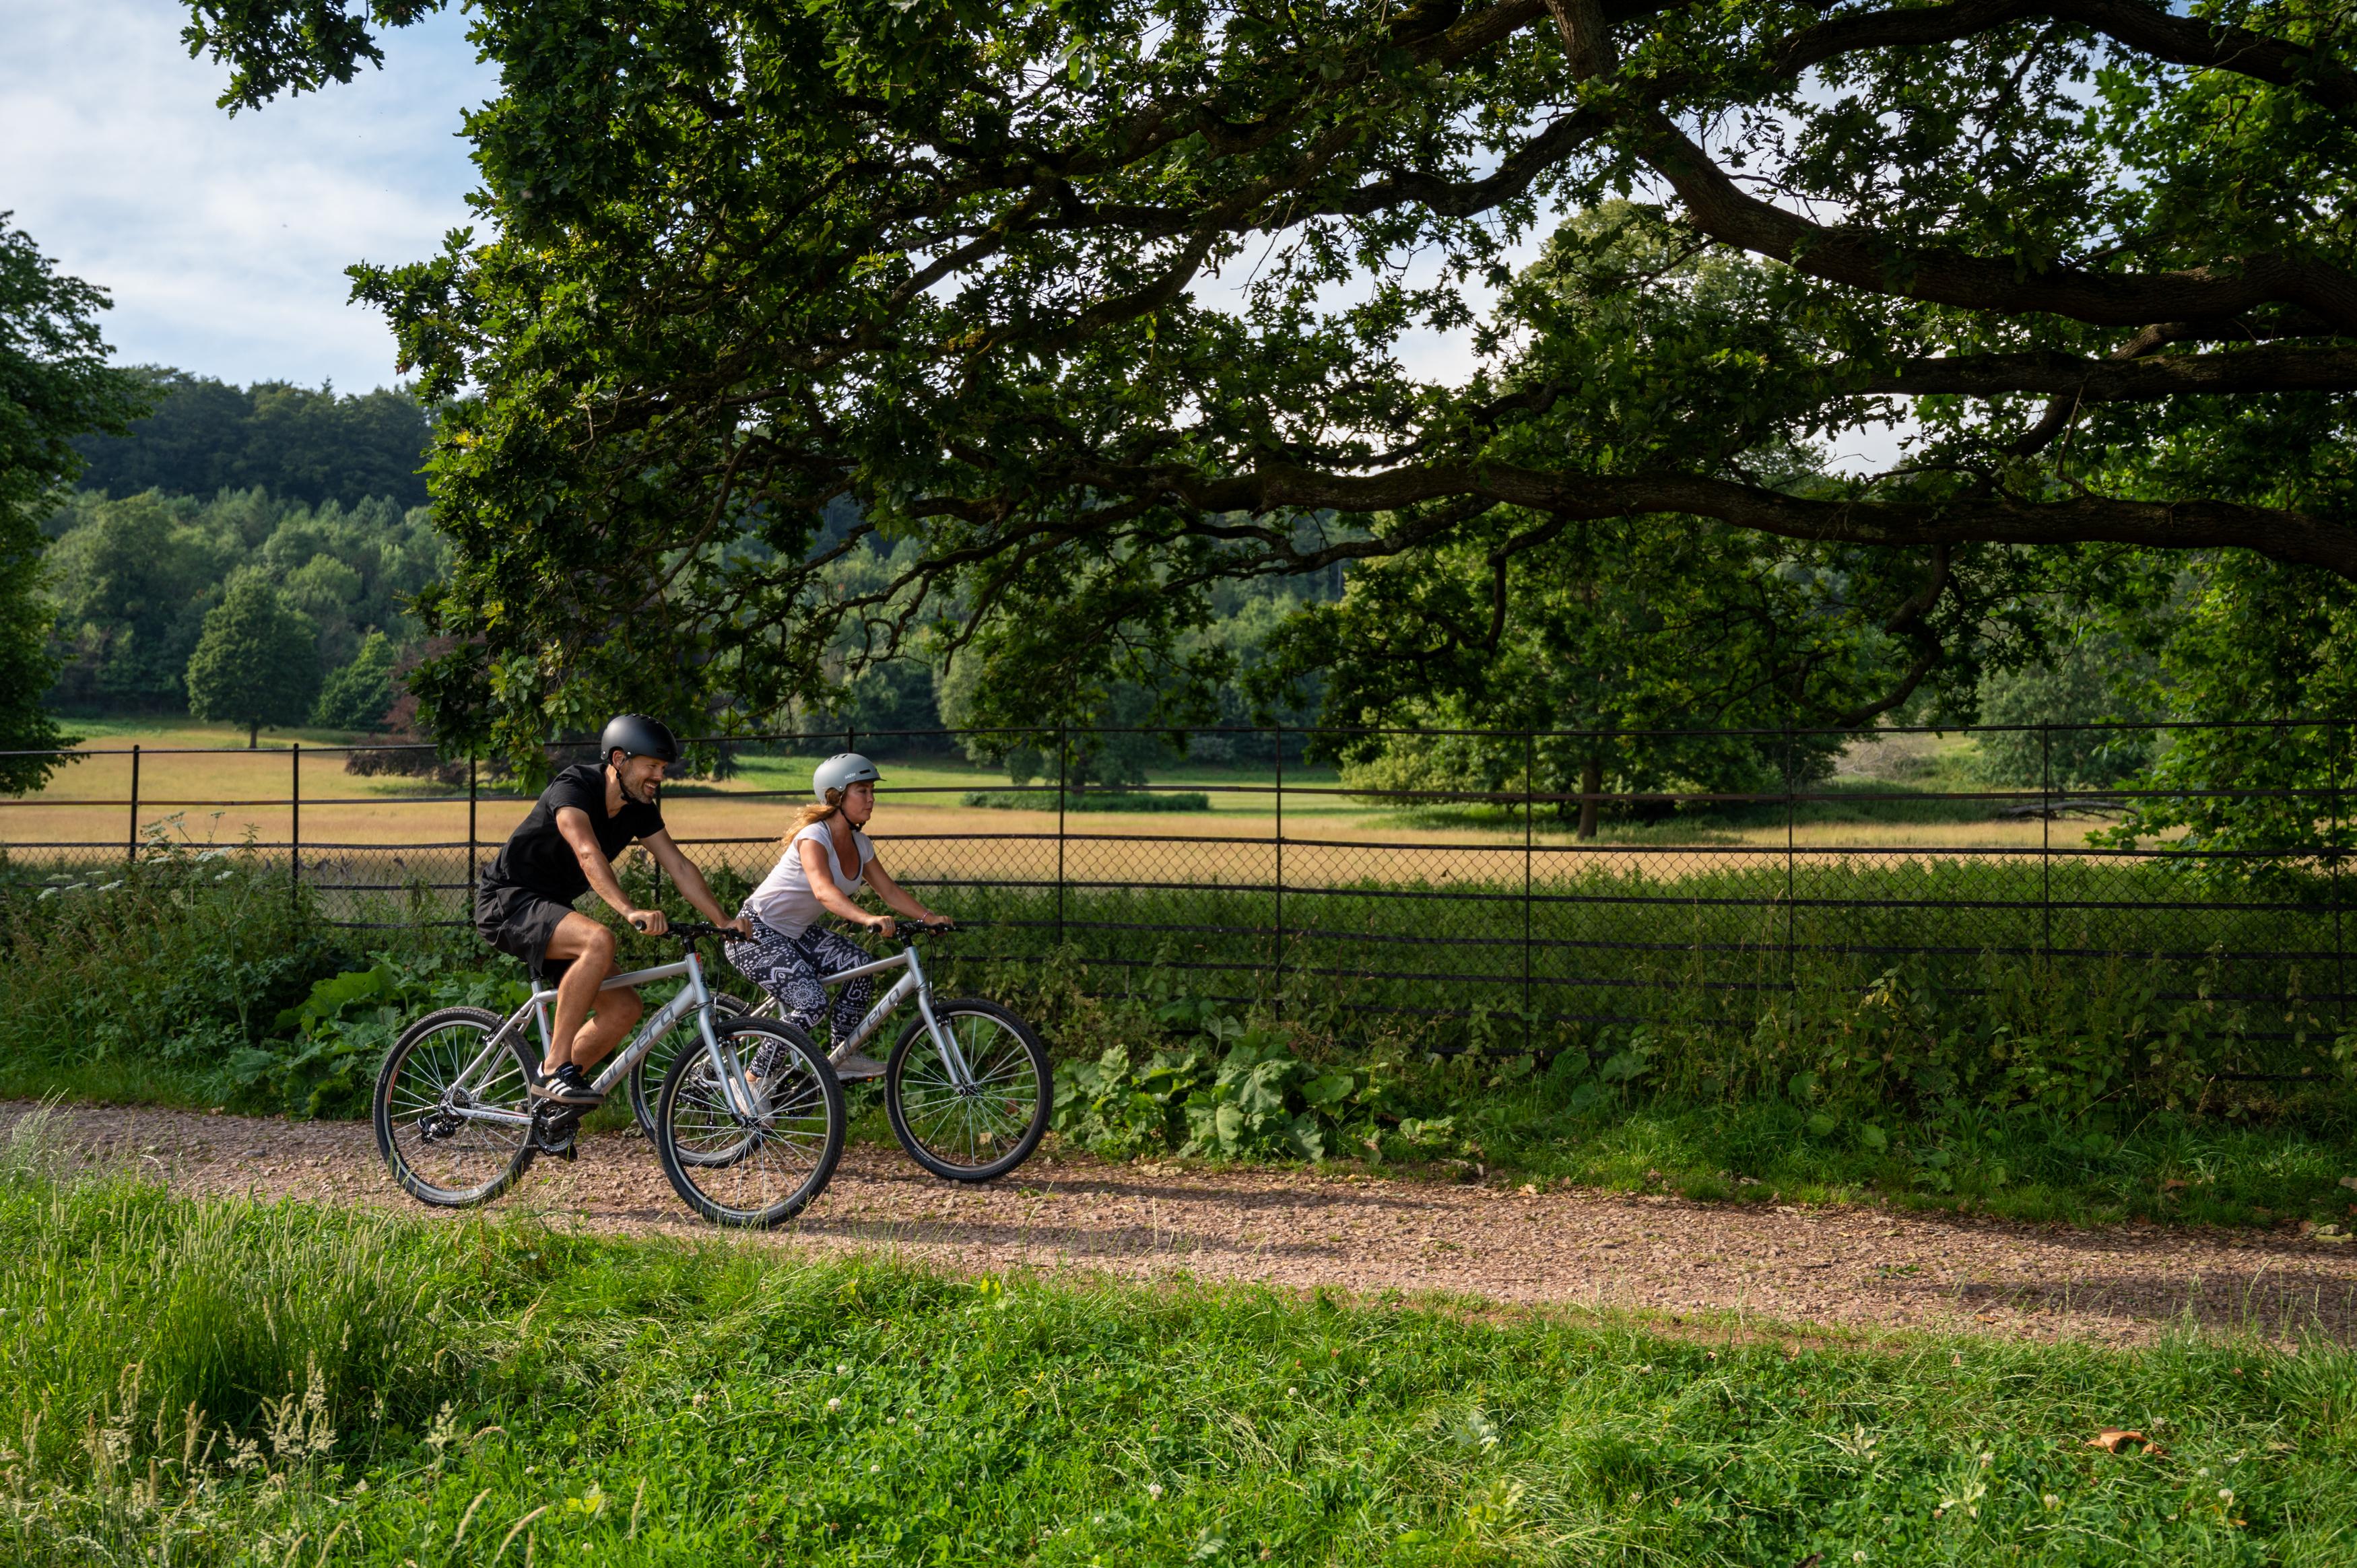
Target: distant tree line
(205,436)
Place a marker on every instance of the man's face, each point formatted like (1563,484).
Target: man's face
(641,779)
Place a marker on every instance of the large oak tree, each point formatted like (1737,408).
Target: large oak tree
(1101,300)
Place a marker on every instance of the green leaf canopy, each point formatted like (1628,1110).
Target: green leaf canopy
(1101,302)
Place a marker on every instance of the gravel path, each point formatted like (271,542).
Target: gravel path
(1851,1267)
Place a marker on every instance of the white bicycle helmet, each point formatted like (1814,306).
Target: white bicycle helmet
(841,771)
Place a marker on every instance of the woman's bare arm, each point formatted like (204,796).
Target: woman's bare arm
(898,897)
(833,899)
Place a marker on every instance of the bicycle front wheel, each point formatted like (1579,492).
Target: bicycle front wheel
(647,1078)
(453,1125)
(986,1126)
(762,1165)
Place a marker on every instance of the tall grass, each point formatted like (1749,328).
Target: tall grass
(218,1383)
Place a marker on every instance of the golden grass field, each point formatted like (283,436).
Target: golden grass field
(194,787)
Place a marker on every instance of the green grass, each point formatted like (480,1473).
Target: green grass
(2091,1170)
(220,1382)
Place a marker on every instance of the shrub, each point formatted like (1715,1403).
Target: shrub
(326,1063)
(180,959)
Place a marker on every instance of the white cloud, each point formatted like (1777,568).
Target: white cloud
(223,240)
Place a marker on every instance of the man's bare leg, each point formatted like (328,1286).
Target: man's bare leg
(589,947)
(615,1016)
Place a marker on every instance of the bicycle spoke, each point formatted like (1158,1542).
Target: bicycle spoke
(973,1123)
(752,1169)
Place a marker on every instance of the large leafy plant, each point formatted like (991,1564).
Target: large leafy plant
(332,1042)
(1238,1093)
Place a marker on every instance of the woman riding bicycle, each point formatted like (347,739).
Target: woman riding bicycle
(827,860)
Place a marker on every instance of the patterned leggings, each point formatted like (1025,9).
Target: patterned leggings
(787,968)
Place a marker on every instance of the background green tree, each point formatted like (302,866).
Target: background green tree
(132,579)
(55,384)
(358,694)
(950,266)
(254,663)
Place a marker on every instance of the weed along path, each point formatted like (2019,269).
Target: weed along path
(1857,1268)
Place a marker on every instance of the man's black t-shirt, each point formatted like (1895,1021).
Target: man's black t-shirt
(536,857)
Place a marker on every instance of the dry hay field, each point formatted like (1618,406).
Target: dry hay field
(194,788)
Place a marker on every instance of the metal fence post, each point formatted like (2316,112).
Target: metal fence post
(2339,947)
(473,852)
(1530,776)
(1063,763)
(1280,871)
(1791,948)
(2046,840)
(294,833)
(132,853)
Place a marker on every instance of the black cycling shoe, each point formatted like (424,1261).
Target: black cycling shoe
(565,1086)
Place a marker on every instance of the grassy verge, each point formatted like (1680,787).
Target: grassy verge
(225,1383)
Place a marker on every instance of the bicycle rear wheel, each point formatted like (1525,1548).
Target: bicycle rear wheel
(992,1124)
(438,1153)
(753,1170)
(647,1078)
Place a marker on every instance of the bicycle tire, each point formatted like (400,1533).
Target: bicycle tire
(1007,1064)
(647,1076)
(712,1157)
(396,1109)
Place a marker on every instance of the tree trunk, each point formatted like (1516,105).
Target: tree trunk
(252,734)
(1591,791)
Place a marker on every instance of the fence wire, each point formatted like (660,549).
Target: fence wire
(1461,892)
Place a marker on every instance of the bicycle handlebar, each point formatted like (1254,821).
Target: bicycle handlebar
(695,930)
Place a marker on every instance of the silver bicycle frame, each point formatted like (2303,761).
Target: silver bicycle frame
(694,998)
(912,983)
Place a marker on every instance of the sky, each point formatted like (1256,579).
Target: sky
(223,240)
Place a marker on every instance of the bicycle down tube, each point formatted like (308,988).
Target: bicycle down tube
(912,983)
(695,997)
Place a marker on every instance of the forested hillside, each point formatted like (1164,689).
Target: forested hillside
(205,437)
(288,527)
(134,580)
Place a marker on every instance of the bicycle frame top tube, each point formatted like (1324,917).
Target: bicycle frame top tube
(694,998)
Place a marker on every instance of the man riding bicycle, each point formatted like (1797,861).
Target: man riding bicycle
(564,848)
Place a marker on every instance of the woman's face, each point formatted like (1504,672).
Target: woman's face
(859,803)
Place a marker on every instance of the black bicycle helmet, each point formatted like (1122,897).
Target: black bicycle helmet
(640,736)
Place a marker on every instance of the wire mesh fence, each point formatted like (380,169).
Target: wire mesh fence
(1489,883)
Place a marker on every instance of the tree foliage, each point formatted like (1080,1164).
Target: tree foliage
(255,664)
(55,384)
(358,696)
(204,436)
(132,581)
(1104,302)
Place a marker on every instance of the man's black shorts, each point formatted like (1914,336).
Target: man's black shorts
(518,922)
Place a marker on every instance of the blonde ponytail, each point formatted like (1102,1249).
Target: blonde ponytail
(813,812)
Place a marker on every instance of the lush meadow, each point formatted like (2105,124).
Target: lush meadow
(220,1382)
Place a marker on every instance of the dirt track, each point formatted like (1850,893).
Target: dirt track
(1852,1267)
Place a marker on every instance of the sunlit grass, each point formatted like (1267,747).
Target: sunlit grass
(222,1382)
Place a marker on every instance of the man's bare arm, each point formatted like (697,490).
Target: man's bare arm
(692,885)
(573,825)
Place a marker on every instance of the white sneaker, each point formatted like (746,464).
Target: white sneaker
(850,1067)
